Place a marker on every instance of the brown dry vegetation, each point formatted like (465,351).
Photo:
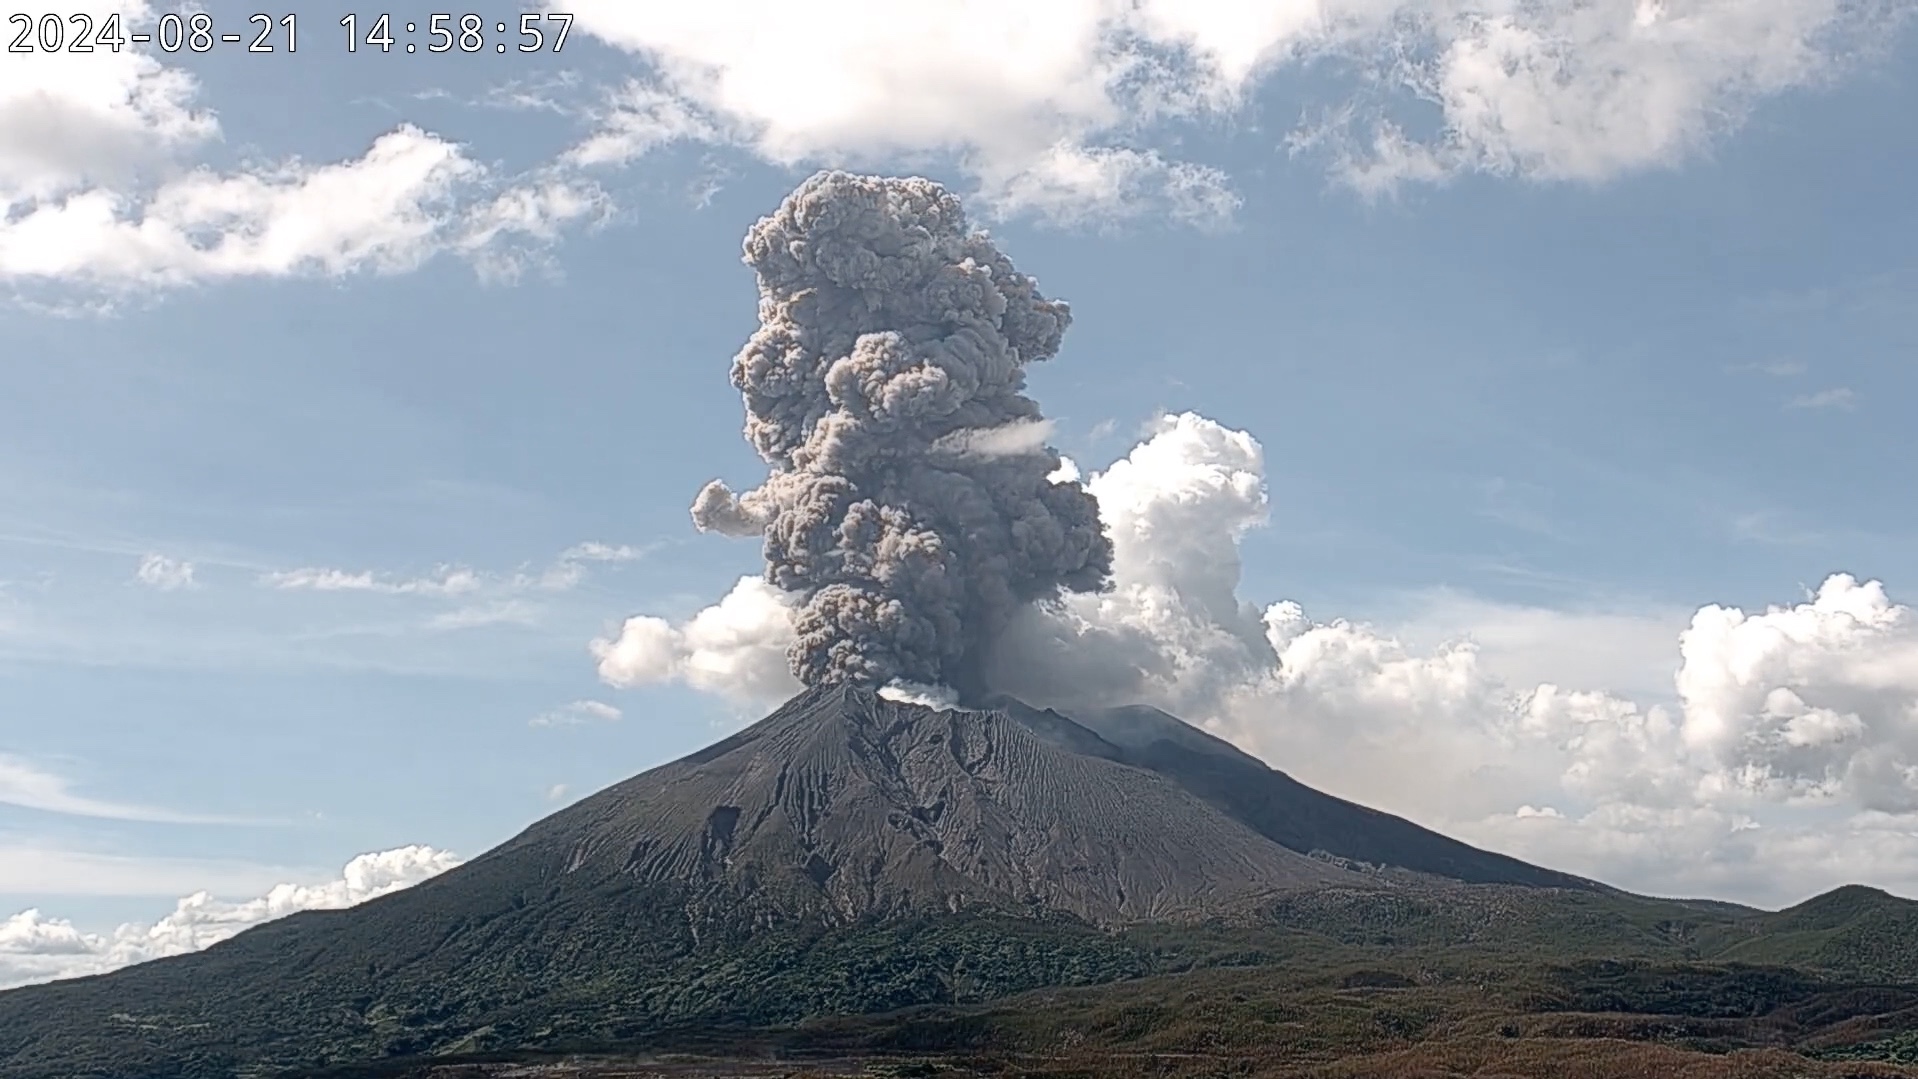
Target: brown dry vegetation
(1545,1058)
(1263,1024)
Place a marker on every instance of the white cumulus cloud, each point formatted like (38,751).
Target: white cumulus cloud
(37,948)
(735,648)
(1568,90)
(69,120)
(100,184)
(166,574)
(1028,97)
(1052,107)
(1817,701)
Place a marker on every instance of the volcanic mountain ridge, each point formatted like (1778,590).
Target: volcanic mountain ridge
(845,805)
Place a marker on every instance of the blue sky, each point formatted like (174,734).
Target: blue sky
(1550,393)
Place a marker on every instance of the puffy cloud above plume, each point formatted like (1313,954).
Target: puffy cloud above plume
(36,948)
(99,185)
(1789,736)
(1051,107)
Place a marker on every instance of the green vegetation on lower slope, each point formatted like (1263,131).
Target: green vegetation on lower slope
(1321,975)
(610,961)
(1901,1048)
(1409,1014)
(1858,930)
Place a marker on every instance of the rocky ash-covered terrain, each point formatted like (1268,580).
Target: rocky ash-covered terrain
(914,871)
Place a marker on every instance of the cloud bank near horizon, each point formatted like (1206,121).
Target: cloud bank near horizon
(37,948)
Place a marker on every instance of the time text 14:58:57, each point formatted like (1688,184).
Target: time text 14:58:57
(457,33)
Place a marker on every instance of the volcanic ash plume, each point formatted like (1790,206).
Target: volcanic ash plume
(910,504)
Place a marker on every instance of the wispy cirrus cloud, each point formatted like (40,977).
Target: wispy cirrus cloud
(521,597)
(246,609)
(29,786)
(570,568)
(445,581)
(505,612)
(576,714)
(1770,368)
(567,571)
(1838,397)
(33,866)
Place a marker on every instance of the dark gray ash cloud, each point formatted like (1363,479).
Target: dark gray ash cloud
(909,501)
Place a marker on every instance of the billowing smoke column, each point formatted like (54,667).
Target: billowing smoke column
(910,503)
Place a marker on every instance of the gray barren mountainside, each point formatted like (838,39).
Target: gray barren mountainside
(844,805)
(1281,808)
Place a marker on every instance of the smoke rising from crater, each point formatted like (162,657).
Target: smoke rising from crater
(909,504)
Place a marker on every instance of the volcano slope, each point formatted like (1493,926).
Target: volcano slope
(845,855)
(1274,804)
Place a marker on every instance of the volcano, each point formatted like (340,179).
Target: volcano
(919,855)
